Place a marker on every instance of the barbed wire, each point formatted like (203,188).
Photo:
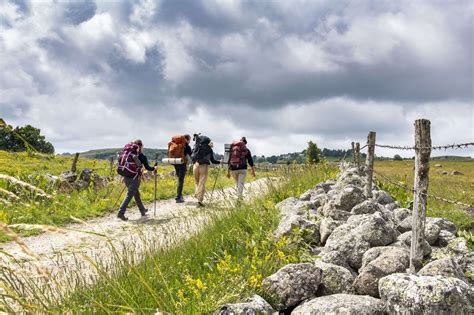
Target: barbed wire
(441,147)
(409,189)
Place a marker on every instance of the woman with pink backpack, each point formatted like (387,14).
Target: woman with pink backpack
(238,158)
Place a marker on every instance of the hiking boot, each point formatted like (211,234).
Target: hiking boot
(144,212)
(200,204)
(122,217)
(180,200)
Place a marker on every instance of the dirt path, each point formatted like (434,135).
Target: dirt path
(68,250)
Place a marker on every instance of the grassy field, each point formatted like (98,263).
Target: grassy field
(64,208)
(453,187)
(223,263)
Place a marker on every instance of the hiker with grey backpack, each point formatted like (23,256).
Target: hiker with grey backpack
(130,163)
(202,157)
(238,158)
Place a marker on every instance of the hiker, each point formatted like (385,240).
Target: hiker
(130,164)
(238,158)
(178,148)
(202,156)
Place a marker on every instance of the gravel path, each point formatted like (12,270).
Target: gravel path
(69,249)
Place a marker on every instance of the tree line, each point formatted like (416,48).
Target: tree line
(24,138)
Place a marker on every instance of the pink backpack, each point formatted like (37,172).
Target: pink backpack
(127,161)
(238,151)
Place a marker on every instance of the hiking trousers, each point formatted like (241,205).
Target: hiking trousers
(133,184)
(180,170)
(239,177)
(200,176)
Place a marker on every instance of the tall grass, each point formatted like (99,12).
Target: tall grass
(458,188)
(223,262)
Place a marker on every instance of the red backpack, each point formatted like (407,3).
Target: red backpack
(238,152)
(128,163)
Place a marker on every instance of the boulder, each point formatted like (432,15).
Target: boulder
(438,165)
(335,279)
(348,198)
(401,214)
(291,222)
(353,239)
(460,252)
(414,294)
(253,306)
(292,206)
(68,176)
(431,233)
(456,173)
(444,173)
(404,240)
(326,186)
(318,200)
(366,207)
(443,224)
(86,175)
(446,267)
(80,185)
(65,187)
(343,304)
(337,258)
(328,225)
(392,206)
(330,211)
(292,284)
(444,238)
(306,196)
(377,263)
(382,197)
(405,225)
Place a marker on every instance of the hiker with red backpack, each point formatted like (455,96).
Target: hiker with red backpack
(202,157)
(130,164)
(238,158)
(178,148)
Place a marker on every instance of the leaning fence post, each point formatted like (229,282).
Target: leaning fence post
(357,155)
(370,163)
(422,167)
(74,163)
(353,152)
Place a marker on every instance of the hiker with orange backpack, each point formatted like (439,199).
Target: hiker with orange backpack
(178,148)
(130,164)
(238,158)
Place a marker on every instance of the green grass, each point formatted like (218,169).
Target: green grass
(223,263)
(458,188)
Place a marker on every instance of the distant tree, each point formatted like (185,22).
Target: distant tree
(272,159)
(23,138)
(312,153)
(397,157)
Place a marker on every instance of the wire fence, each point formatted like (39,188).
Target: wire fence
(411,189)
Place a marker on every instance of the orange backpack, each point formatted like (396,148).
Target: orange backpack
(176,147)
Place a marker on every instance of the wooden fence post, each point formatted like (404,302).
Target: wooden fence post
(74,163)
(111,161)
(353,152)
(358,155)
(422,167)
(370,163)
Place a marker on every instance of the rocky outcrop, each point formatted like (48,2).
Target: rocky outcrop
(291,222)
(327,226)
(414,294)
(341,304)
(253,306)
(292,284)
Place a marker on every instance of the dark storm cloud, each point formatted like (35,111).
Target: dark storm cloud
(269,69)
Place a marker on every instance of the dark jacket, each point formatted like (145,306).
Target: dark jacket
(208,159)
(143,159)
(248,158)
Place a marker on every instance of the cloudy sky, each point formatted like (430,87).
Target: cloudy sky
(98,74)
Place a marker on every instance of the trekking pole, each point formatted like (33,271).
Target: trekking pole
(215,182)
(156,176)
(119,197)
